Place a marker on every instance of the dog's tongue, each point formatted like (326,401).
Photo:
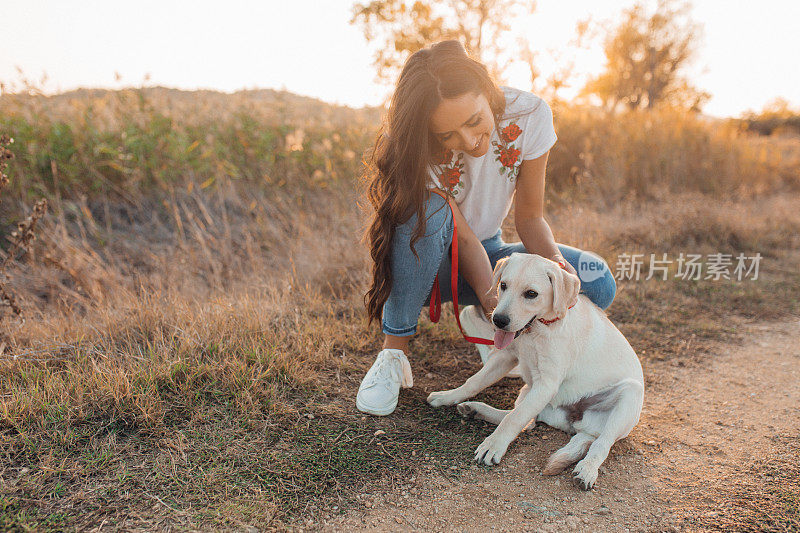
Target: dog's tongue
(502,338)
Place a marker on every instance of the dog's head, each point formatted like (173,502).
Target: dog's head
(529,286)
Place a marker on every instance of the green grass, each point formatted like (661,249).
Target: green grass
(132,143)
(205,468)
(16,517)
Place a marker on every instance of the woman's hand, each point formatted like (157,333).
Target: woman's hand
(558,258)
(565,265)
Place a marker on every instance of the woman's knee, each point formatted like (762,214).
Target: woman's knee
(603,289)
(597,279)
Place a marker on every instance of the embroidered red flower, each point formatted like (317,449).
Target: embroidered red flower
(510,133)
(445,157)
(506,153)
(508,156)
(452,176)
(450,172)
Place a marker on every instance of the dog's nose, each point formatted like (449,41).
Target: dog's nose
(501,321)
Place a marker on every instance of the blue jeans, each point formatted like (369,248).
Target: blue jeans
(412,280)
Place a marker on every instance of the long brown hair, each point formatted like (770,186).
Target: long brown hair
(396,169)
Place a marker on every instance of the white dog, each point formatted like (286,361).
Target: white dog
(580,373)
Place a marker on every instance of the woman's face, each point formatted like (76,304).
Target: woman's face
(464,123)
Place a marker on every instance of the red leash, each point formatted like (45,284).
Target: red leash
(435,308)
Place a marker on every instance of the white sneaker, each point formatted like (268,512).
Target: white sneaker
(475,325)
(380,388)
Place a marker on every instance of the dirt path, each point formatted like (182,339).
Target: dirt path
(703,426)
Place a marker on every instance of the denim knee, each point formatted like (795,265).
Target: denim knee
(602,290)
(601,286)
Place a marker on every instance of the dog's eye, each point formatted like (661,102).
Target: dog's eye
(530,294)
(502,285)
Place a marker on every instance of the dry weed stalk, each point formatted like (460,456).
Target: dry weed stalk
(5,156)
(21,238)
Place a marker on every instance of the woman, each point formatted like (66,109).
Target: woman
(452,129)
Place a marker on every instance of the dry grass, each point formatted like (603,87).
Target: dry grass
(150,384)
(606,158)
(191,355)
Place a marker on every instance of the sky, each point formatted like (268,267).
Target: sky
(748,53)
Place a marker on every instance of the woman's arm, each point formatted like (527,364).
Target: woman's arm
(532,228)
(473,263)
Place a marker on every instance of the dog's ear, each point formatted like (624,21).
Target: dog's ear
(565,289)
(498,270)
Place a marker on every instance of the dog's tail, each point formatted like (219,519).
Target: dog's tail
(574,451)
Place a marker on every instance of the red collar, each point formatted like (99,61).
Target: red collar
(546,322)
(543,321)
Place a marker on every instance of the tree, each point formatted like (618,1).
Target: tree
(777,117)
(403,27)
(645,55)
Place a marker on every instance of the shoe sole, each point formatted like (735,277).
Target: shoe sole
(377,412)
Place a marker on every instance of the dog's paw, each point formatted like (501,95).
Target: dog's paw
(467,410)
(584,475)
(442,398)
(491,450)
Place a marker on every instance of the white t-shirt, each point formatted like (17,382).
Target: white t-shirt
(483,187)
